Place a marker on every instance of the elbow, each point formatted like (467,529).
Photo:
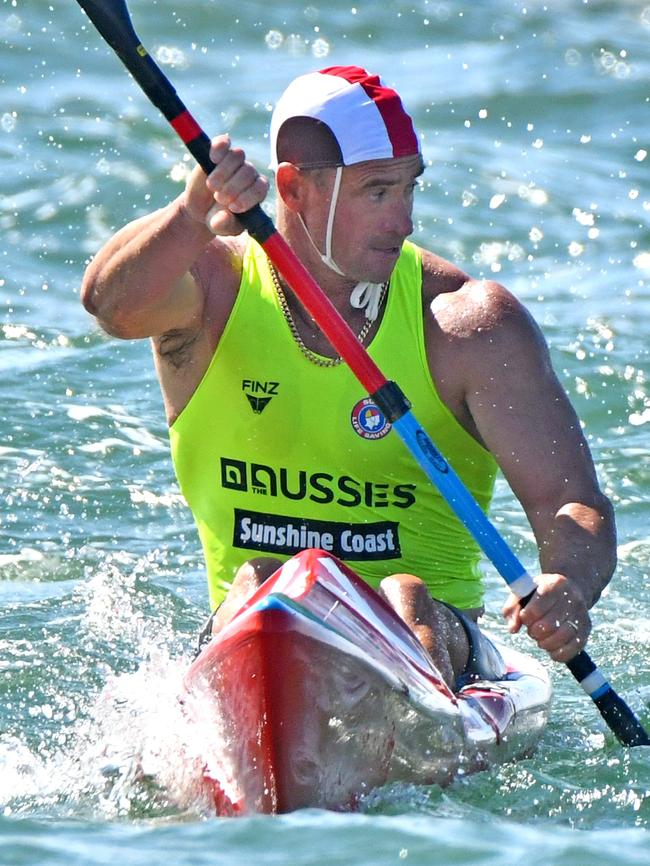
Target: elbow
(606,545)
(99,305)
(93,292)
(89,296)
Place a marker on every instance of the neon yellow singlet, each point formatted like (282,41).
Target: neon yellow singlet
(274,453)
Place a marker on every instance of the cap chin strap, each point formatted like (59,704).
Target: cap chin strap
(328,258)
(365,294)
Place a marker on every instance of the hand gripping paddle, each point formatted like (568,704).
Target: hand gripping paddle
(112,20)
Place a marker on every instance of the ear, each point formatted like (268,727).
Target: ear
(290,183)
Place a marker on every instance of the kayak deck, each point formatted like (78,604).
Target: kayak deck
(320,693)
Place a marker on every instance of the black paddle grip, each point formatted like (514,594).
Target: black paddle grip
(621,720)
(619,717)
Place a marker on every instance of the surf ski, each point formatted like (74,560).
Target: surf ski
(316,693)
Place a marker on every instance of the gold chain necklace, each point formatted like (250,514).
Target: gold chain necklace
(306,351)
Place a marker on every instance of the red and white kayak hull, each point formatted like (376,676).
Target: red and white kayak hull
(320,693)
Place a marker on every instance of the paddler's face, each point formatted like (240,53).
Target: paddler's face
(373,217)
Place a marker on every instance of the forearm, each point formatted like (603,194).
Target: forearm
(579,541)
(577,550)
(135,274)
(139,284)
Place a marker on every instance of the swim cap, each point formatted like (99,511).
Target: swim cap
(365,117)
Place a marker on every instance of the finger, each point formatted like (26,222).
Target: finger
(221,218)
(237,202)
(511,605)
(250,196)
(219,146)
(197,196)
(552,636)
(243,192)
(196,179)
(568,649)
(222,221)
(230,163)
(556,598)
(213,217)
(232,176)
(512,614)
(561,641)
(538,607)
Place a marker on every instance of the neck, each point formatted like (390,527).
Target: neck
(363,295)
(306,332)
(338,288)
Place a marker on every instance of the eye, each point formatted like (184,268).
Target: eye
(377,192)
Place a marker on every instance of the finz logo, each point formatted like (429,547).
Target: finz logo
(259,394)
(368,420)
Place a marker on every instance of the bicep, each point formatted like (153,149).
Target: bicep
(143,282)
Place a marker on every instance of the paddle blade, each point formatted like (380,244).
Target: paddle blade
(112,19)
(113,22)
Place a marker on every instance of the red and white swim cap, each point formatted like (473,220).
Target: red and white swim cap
(366,117)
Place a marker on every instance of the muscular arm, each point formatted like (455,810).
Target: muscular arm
(142,283)
(525,418)
(508,396)
(139,284)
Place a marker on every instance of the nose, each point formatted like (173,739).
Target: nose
(401,218)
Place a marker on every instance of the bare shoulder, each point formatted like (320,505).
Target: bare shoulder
(492,367)
(470,315)
(221,261)
(218,272)
(483,346)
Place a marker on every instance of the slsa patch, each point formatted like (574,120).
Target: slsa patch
(368,420)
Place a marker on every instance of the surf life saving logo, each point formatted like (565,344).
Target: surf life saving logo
(368,420)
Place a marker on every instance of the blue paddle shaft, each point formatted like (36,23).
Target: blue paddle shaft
(464,505)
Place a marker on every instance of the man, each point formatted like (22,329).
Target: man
(275,445)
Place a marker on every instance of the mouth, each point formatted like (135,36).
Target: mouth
(383,265)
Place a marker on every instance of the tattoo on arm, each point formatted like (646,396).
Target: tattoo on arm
(175,347)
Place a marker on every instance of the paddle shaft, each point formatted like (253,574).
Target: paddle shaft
(112,20)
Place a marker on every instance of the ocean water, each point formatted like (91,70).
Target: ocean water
(535,119)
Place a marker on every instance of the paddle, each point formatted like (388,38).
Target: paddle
(112,20)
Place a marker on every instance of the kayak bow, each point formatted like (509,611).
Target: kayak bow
(317,693)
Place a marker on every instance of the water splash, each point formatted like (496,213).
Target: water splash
(147,753)
(102,724)
(134,754)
